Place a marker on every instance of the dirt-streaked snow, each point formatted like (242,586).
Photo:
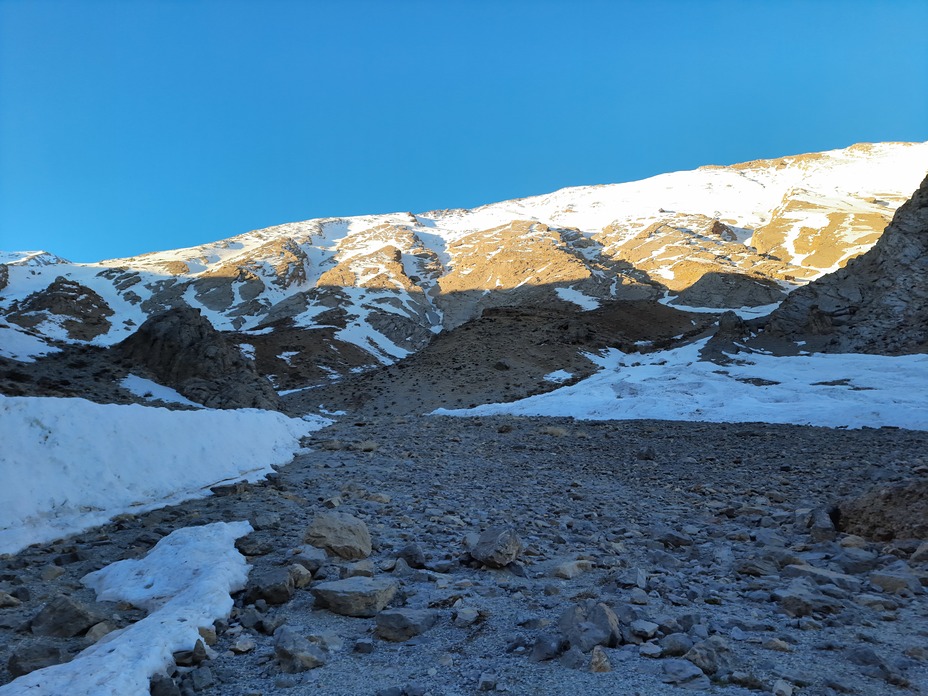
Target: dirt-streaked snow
(849,390)
(71,464)
(184,582)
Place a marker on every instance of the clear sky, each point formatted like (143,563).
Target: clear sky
(128,127)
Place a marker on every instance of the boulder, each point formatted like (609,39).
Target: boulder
(497,547)
(357,596)
(341,534)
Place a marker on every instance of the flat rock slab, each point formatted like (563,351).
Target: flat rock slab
(402,624)
(355,596)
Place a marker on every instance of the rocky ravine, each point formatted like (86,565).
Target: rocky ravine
(537,556)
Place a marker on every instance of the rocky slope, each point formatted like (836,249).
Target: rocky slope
(383,285)
(878,303)
(442,557)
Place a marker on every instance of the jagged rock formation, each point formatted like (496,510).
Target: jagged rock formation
(878,303)
(77,309)
(181,349)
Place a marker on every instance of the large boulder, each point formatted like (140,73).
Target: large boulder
(896,511)
(180,349)
(878,303)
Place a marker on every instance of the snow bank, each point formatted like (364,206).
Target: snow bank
(850,390)
(152,391)
(184,582)
(70,464)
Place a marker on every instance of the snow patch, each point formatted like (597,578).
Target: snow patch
(70,464)
(152,391)
(837,391)
(558,376)
(578,298)
(184,582)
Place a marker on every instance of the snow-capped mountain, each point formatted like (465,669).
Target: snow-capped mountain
(732,236)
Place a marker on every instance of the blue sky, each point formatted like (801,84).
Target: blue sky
(128,127)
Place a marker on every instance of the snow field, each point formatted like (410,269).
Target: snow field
(70,464)
(838,391)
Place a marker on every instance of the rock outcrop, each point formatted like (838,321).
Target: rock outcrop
(80,311)
(878,303)
(181,349)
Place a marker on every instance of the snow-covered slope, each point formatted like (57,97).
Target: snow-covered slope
(70,464)
(385,283)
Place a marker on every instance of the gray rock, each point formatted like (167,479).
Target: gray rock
(546,647)
(294,652)
(163,685)
(63,617)
(37,655)
(486,682)
(402,624)
(684,672)
(895,581)
(310,557)
(801,599)
(821,576)
(497,547)
(676,644)
(273,585)
(413,555)
(357,596)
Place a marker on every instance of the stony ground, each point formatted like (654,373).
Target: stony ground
(646,557)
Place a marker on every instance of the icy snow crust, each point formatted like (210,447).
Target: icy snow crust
(184,582)
(70,464)
(838,391)
(850,180)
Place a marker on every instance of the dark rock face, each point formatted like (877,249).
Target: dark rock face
(181,349)
(899,511)
(721,290)
(82,312)
(878,303)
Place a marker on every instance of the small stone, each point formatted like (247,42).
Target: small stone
(363,569)
(546,647)
(895,582)
(357,596)
(782,687)
(573,658)
(650,650)
(98,630)
(294,653)
(310,558)
(208,634)
(571,569)
(188,658)
(413,555)
(341,534)
(777,644)
(497,547)
(599,662)
(242,645)
(466,616)
(638,596)
(402,624)
(8,600)
(676,644)
(682,672)
(486,682)
(333,502)
(163,685)
(364,646)
(51,572)
(201,678)
(643,629)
